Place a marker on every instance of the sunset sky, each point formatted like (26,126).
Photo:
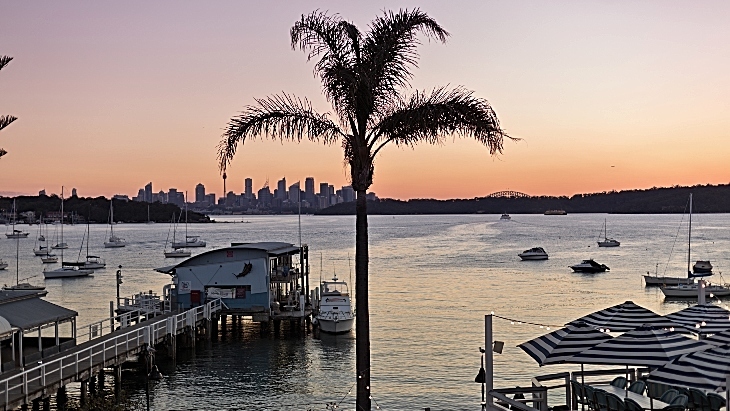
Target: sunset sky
(605,95)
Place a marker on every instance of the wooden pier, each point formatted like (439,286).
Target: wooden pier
(33,384)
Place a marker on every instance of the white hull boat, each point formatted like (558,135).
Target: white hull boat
(607,242)
(114,241)
(691,291)
(23,287)
(17,234)
(589,266)
(94,263)
(335,311)
(60,246)
(190,241)
(3,265)
(49,259)
(535,253)
(177,253)
(67,272)
(41,251)
(505,217)
(656,280)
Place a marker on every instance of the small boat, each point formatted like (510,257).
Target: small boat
(535,253)
(41,251)
(16,233)
(702,266)
(190,241)
(68,270)
(607,242)
(556,212)
(656,280)
(691,291)
(114,241)
(94,263)
(49,259)
(335,310)
(60,246)
(505,217)
(589,266)
(23,287)
(3,264)
(176,252)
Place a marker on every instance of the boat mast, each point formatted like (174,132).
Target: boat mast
(111,221)
(689,234)
(186,217)
(61,243)
(17,249)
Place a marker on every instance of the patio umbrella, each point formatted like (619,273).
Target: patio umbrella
(702,319)
(704,370)
(647,345)
(560,345)
(625,317)
(719,339)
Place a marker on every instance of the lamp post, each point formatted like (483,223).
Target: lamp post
(119,282)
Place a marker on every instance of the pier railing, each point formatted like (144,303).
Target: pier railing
(82,359)
(108,325)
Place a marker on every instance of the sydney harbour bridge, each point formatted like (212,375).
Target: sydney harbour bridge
(508,194)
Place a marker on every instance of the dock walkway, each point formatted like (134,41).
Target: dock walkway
(80,362)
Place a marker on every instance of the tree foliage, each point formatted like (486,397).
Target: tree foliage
(5,120)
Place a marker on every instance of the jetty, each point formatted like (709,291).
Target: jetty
(43,366)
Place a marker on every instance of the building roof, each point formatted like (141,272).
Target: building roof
(8,296)
(272,248)
(33,312)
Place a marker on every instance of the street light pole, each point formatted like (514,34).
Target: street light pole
(119,282)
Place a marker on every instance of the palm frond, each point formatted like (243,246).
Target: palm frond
(4,60)
(6,120)
(430,117)
(389,51)
(2,152)
(281,117)
(337,45)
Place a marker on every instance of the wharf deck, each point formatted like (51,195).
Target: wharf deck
(79,362)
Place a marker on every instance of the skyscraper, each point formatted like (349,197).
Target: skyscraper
(148,192)
(309,190)
(199,193)
(348,194)
(281,187)
(294,193)
(248,188)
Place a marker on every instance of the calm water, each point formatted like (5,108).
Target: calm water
(432,280)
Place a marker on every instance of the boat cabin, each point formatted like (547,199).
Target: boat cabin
(266,280)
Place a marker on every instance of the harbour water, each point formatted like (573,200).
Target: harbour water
(432,279)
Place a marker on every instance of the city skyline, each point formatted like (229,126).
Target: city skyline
(109,94)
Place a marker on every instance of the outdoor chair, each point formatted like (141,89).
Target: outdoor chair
(619,382)
(675,407)
(717,401)
(637,387)
(685,392)
(669,395)
(655,390)
(599,399)
(699,399)
(615,403)
(632,405)
(680,399)
(578,392)
(590,398)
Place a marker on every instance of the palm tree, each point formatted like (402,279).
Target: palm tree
(363,76)
(5,120)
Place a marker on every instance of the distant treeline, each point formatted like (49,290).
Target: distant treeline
(707,199)
(97,209)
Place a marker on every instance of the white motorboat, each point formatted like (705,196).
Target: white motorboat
(589,266)
(335,310)
(692,291)
(607,242)
(556,212)
(16,234)
(114,241)
(49,259)
(505,216)
(702,266)
(535,253)
(68,270)
(3,264)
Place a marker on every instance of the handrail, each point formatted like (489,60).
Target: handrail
(513,403)
(147,334)
(96,329)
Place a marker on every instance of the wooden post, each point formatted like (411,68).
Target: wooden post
(47,404)
(84,391)
(101,381)
(118,382)
(61,398)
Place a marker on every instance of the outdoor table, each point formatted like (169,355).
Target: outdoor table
(642,400)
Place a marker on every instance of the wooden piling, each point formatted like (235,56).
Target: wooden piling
(118,382)
(84,392)
(61,398)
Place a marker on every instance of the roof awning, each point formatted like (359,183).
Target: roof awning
(34,312)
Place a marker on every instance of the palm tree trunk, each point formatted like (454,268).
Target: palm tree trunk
(362,320)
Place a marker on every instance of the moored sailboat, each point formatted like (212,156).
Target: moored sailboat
(114,241)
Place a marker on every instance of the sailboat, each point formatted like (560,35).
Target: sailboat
(607,242)
(67,269)
(18,285)
(176,252)
(190,240)
(92,261)
(41,250)
(3,264)
(114,241)
(693,290)
(61,245)
(16,233)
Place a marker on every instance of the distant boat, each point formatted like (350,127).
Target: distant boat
(49,259)
(3,264)
(505,216)
(175,252)
(15,234)
(589,266)
(607,242)
(702,266)
(692,291)
(67,269)
(190,240)
(535,253)
(114,241)
(556,212)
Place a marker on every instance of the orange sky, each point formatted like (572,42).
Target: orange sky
(111,96)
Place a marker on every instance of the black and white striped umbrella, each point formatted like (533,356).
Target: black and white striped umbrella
(704,370)
(624,317)
(560,345)
(702,319)
(646,345)
(719,339)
